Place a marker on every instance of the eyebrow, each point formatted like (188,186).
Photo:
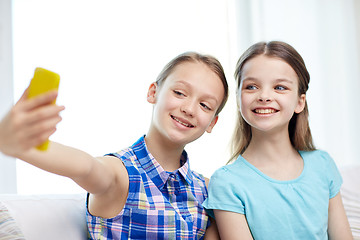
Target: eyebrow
(284,80)
(208,96)
(276,80)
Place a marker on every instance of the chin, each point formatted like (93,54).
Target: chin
(181,139)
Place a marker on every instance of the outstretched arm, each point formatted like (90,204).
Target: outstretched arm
(232,225)
(338,224)
(29,123)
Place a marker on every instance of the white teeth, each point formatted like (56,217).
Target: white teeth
(264,111)
(182,123)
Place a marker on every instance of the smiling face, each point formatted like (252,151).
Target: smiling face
(185,104)
(268,94)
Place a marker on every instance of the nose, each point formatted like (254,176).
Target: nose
(264,96)
(264,99)
(188,108)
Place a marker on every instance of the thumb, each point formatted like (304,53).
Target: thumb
(24,95)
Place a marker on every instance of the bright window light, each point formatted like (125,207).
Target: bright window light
(107,53)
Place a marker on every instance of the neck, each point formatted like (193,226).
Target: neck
(166,154)
(274,155)
(271,146)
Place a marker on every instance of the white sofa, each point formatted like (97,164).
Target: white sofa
(63,216)
(350,192)
(44,217)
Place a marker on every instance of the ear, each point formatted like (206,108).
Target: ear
(301,104)
(151,95)
(212,124)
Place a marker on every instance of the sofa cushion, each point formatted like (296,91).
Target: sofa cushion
(48,216)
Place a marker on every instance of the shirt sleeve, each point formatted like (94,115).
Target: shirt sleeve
(223,193)
(334,176)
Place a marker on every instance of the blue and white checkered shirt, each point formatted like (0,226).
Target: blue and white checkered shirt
(160,205)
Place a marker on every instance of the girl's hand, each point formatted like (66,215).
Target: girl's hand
(29,123)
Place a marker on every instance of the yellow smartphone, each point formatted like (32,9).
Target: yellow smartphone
(42,82)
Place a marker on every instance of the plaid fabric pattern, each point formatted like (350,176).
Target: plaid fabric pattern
(160,204)
(9,230)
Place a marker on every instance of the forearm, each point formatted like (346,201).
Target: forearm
(92,174)
(29,123)
(60,159)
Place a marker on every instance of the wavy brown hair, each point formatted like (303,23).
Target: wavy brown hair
(299,130)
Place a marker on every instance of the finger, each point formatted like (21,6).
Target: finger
(22,100)
(40,139)
(40,100)
(39,129)
(26,125)
(43,113)
(24,95)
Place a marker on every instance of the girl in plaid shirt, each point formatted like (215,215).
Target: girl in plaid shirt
(146,191)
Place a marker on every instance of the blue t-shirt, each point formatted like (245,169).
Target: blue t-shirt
(295,209)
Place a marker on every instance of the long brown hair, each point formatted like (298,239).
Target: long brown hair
(208,60)
(299,130)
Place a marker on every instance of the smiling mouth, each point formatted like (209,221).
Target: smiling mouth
(182,123)
(264,111)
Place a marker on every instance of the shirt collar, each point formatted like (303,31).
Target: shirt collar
(154,170)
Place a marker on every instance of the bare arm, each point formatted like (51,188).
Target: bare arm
(29,123)
(32,121)
(93,174)
(212,231)
(232,225)
(338,224)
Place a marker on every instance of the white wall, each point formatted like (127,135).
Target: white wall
(107,53)
(7,165)
(324,32)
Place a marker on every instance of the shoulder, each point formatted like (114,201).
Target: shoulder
(123,154)
(316,153)
(322,164)
(200,179)
(230,170)
(127,157)
(115,166)
(318,157)
(232,175)
(119,162)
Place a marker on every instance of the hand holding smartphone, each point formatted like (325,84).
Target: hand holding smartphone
(42,82)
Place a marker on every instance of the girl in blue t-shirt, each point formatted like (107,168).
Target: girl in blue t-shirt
(278,186)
